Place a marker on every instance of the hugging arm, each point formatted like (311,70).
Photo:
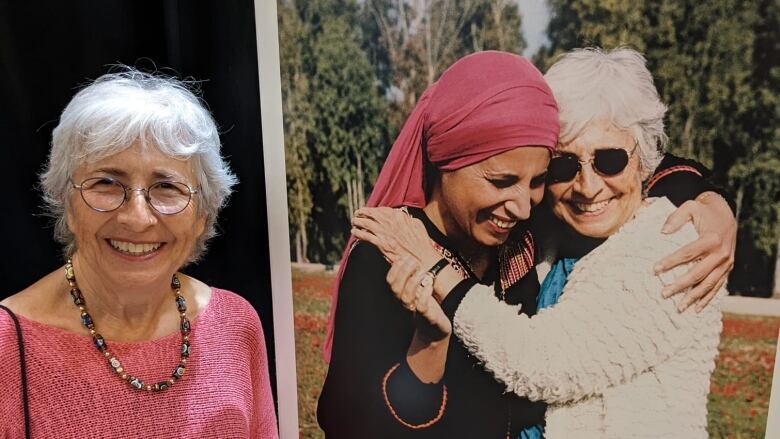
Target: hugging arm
(611,325)
(686,184)
(368,374)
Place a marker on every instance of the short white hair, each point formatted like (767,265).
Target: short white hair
(591,84)
(130,107)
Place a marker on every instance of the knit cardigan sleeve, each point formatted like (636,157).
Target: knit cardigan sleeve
(611,323)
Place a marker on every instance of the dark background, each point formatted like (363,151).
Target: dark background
(49,48)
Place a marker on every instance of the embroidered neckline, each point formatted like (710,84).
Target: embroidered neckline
(515,257)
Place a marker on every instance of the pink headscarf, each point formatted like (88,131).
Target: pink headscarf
(485,104)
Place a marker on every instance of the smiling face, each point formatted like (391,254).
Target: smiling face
(480,204)
(592,204)
(134,243)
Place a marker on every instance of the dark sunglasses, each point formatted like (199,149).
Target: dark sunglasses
(606,161)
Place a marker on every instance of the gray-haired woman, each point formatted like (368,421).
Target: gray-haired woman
(611,356)
(128,346)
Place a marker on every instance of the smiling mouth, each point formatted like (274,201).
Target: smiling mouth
(502,224)
(133,249)
(590,208)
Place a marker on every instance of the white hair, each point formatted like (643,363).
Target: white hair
(590,84)
(130,107)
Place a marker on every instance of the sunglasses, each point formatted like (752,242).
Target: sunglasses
(606,161)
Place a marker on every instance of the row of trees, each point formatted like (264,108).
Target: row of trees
(352,71)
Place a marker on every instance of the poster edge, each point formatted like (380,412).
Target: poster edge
(276,206)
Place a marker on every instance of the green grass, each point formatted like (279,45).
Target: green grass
(739,394)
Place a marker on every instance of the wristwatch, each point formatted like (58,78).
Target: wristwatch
(430,275)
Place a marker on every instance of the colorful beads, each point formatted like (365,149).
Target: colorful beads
(178,371)
(138,384)
(185,326)
(78,299)
(101,345)
(86,320)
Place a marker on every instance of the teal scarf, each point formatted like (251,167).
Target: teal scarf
(553,284)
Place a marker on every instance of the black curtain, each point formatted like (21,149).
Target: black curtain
(48,48)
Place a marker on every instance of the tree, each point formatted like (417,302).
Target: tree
(418,39)
(334,122)
(494,25)
(297,125)
(349,132)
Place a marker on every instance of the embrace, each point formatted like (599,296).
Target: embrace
(526,288)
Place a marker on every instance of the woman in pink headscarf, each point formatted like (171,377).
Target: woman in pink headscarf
(469,163)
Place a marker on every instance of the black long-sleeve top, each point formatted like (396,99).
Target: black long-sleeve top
(370,392)
(373,332)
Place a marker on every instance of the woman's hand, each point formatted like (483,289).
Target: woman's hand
(395,234)
(713,251)
(405,279)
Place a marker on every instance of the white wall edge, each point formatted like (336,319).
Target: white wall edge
(278,226)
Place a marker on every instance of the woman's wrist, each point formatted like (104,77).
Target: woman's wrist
(447,279)
(430,258)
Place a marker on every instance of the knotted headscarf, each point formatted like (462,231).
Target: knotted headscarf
(485,104)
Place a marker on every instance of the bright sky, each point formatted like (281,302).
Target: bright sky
(535,18)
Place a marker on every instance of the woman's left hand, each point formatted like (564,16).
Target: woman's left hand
(405,279)
(395,233)
(713,251)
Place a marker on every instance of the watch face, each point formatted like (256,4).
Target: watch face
(427,280)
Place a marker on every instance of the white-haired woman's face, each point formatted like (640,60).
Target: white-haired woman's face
(596,203)
(134,243)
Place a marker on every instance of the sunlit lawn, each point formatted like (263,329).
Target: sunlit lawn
(739,394)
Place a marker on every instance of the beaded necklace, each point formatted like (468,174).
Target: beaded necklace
(102,346)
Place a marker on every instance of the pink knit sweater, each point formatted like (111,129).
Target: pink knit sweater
(225,392)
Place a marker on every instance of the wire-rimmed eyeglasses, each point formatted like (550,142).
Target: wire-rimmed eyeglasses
(105,194)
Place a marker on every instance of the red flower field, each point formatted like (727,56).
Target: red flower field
(739,395)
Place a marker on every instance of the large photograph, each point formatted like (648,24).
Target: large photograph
(532,219)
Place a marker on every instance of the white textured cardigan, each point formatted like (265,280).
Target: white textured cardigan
(613,357)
